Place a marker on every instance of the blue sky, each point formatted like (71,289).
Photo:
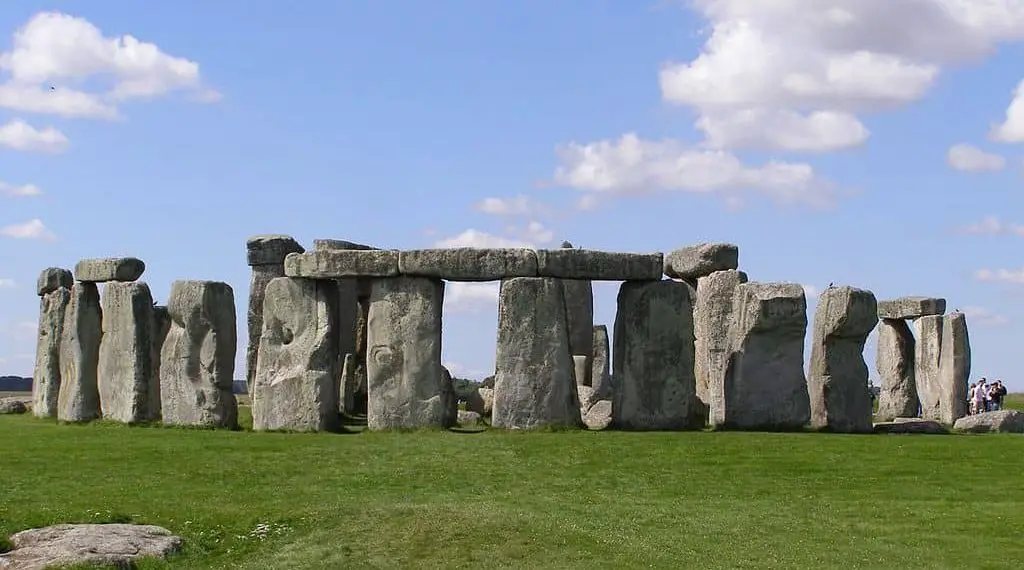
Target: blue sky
(831,145)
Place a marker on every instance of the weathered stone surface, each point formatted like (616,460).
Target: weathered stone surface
(342,263)
(107,545)
(600,367)
(12,406)
(161,327)
(407,387)
(102,270)
(653,357)
(348,300)
(911,307)
(701,260)
(837,382)
(895,365)
(911,426)
(597,265)
(1003,421)
(711,317)
(332,244)
(468,418)
(270,249)
(449,398)
(579,317)
(927,354)
(599,415)
(126,362)
(53,278)
(296,385)
(349,384)
(535,383)
(954,368)
(79,398)
(197,362)
(586,397)
(46,376)
(468,263)
(763,384)
(261,276)
(487,396)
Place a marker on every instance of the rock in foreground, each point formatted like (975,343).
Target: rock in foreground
(12,406)
(117,545)
(1003,421)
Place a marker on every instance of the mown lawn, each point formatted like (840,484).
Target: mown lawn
(537,500)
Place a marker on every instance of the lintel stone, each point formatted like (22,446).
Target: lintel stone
(700,260)
(101,270)
(596,265)
(911,307)
(342,263)
(469,263)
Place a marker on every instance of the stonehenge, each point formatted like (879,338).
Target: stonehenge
(346,329)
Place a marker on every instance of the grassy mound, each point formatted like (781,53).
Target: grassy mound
(537,500)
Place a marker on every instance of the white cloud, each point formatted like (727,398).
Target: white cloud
(533,235)
(6,283)
(1011,130)
(516,206)
(820,131)
(1012,276)
(462,297)
(968,158)
(32,229)
(633,165)
(990,225)
(985,317)
(22,191)
(65,51)
(19,135)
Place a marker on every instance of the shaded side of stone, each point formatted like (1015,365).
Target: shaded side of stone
(954,368)
(261,276)
(161,328)
(927,355)
(894,363)
(46,378)
(79,398)
(53,278)
(126,362)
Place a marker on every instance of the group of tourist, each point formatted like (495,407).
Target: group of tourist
(985,397)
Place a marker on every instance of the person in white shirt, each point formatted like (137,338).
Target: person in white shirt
(980,393)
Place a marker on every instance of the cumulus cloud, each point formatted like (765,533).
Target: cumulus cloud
(22,191)
(1011,130)
(985,317)
(520,205)
(1011,276)
(56,49)
(991,225)
(632,165)
(32,229)
(19,135)
(462,297)
(967,158)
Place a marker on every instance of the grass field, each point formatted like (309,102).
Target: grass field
(537,500)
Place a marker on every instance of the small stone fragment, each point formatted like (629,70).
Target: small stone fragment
(597,265)
(342,263)
(911,307)
(53,278)
(700,260)
(102,270)
(468,263)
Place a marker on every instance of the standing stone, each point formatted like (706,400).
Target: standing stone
(927,353)
(580,365)
(197,362)
(349,384)
(579,316)
(46,377)
(895,365)
(763,385)
(126,363)
(53,278)
(653,357)
(348,298)
(79,398)
(838,379)
(601,364)
(534,383)
(161,327)
(359,397)
(449,398)
(296,385)
(265,255)
(406,385)
(954,368)
(711,318)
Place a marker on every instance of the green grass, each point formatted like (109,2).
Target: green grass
(527,500)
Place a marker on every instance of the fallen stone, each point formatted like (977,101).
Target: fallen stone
(79,398)
(468,418)
(297,378)
(599,415)
(342,263)
(894,363)
(696,261)
(468,263)
(12,406)
(599,265)
(197,361)
(1002,421)
(653,357)
(911,307)
(954,368)
(837,380)
(161,328)
(108,545)
(270,249)
(53,278)
(535,383)
(123,269)
(711,317)
(764,387)
(406,384)
(911,426)
(125,368)
(46,375)
(927,359)
(601,363)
